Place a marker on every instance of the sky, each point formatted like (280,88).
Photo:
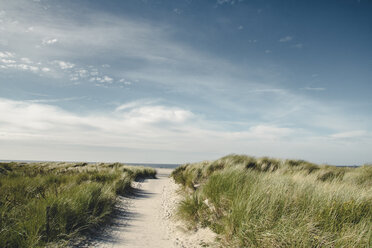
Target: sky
(179,81)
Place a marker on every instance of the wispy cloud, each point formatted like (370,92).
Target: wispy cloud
(269,132)
(138,103)
(350,134)
(286,39)
(279,91)
(149,48)
(177,11)
(55,100)
(314,88)
(232,2)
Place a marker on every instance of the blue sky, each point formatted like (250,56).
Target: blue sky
(182,81)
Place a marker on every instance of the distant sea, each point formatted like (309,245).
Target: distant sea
(167,166)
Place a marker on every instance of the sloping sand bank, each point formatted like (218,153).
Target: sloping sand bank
(146,219)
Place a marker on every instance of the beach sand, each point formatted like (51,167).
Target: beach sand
(146,219)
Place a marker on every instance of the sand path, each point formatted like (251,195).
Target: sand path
(146,219)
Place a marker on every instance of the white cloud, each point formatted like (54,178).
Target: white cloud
(286,39)
(25,119)
(267,51)
(125,82)
(26,60)
(28,67)
(155,114)
(83,73)
(64,65)
(49,41)
(7,61)
(106,79)
(12,61)
(79,74)
(23,67)
(299,45)
(6,55)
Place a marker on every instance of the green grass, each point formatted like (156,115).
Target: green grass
(265,202)
(76,196)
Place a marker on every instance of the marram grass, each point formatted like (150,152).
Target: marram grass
(268,202)
(44,203)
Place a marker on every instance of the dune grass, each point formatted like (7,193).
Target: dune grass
(43,203)
(265,202)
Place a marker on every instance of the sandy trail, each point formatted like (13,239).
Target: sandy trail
(146,219)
